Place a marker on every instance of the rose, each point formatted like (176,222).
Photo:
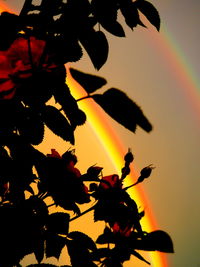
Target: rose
(20,61)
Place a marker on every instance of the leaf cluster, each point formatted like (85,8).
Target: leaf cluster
(73,25)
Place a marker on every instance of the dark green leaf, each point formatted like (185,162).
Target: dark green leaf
(122,109)
(56,122)
(89,82)
(150,12)
(96,45)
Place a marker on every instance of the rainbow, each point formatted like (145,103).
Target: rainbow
(170,51)
(183,73)
(116,151)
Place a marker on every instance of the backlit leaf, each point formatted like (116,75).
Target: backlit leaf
(96,45)
(150,12)
(89,82)
(122,109)
(56,122)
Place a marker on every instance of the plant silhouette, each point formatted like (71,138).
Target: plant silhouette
(34,48)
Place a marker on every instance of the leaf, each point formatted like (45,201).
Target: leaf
(106,14)
(58,223)
(150,12)
(31,126)
(54,245)
(106,237)
(130,13)
(89,82)
(56,122)
(69,105)
(113,27)
(122,109)
(96,45)
(83,240)
(39,250)
(136,254)
(157,240)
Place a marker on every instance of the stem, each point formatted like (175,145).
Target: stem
(84,212)
(130,186)
(85,97)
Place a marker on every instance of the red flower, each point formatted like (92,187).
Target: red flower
(110,181)
(80,190)
(123,230)
(19,62)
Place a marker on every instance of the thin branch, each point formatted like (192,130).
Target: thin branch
(85,97)
(84,212)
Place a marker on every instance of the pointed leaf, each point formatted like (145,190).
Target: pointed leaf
(96,45)
(130,13)
(54,245)
(114,27)
(122,109)
(89,82)
(83,240)
(136,254)
(56,122)
(150,12)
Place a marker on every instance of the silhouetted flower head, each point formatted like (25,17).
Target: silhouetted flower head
(23,59)
(69,178)
(124,229)
(110,181)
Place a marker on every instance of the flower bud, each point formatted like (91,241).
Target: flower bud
(146,172)
(129,157)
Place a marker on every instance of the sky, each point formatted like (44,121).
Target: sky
(159,71)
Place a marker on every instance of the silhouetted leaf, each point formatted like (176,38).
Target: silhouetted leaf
(69,105)
(39,250)
(31,127)
(101,253)
(106,14)
(96,45)
(58,223)
(56,122)
(136,254)
(122,109)
(83,240)
(130,13)
(106,237)
(54,245)
(89,82)
(157,240)
(150,12)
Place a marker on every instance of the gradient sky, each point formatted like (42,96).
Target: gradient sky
(151,68)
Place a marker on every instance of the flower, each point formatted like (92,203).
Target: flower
(69,178)
(20,61)
(123,230)
(110,181)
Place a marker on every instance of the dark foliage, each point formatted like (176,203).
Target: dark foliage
(34,47)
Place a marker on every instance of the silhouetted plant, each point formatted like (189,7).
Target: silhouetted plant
(34,48)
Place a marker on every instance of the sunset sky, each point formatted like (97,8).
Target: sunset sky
(159,71)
